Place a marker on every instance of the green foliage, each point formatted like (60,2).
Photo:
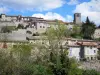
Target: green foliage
(59,32)
(76,32)
(91,72)
(7,63)
(97,39)
(88,29)
(20,26)
(22,48)
(98,54)
(41,70)
(22,52)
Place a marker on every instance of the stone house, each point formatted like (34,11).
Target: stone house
(97,33)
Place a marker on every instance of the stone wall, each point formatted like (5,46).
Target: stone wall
(97,33)
(14,36)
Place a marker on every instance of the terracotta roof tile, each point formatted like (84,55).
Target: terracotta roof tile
(87,43)
(98,46)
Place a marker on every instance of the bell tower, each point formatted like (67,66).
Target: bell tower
(77,18)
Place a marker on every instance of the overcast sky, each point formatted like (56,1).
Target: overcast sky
(53,9)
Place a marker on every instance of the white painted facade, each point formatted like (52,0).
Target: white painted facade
(90,52)
(42,27)
(74,52)
(73,48)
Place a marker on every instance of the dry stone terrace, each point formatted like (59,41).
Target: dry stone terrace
(90,65)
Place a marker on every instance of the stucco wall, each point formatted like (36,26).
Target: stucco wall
(90,50)
(91,53)
(74,52)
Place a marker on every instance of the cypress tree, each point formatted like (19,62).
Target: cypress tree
(88,29)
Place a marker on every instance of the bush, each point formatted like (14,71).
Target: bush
(90,72)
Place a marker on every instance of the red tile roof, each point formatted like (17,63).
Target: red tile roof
(87,43)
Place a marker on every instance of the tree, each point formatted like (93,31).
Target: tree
(22,54)
(7,62)
(88,29)
(20,26)
(75,33)
(60,64)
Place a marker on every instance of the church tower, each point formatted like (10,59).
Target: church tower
(77,18)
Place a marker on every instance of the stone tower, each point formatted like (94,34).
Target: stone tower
(77,18)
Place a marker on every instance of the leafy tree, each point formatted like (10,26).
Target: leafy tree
(60,63)
(76,32)
(88,29)
(22,52)
(20,26)
(7,62)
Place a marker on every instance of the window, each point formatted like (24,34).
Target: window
(91,58)
(40,26)
(94,51)
(87,58)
